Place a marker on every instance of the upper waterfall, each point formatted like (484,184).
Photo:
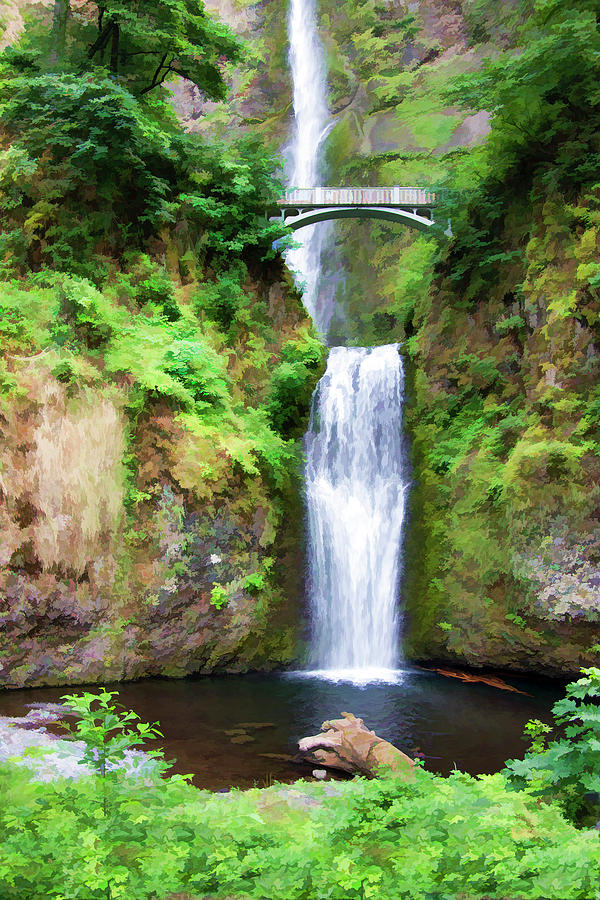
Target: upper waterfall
(311,125)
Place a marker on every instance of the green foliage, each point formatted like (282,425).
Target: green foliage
(148,836)
(544,96)
(83,314)
(544,128)
(97,820)
(144,284)
(567,768)
(159,39)
(199,369)
(223,299)
(142,47)
(255,582)
(91,171)
(292,384)
(535,730)
(157,289)
(509,323)
(105,731)
(25,317)
(79,192)
(495,23)
(229,193)
(218,596)
(457,837)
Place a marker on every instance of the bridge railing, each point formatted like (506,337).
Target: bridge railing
(333,196)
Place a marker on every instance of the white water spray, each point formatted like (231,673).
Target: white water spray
(356,486)
(311,125)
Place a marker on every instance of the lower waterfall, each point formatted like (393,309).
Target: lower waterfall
(356,487)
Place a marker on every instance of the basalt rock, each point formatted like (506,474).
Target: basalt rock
(348,745)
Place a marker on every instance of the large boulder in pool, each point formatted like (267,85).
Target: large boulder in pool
(346,744)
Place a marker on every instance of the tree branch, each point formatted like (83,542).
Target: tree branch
(101,11)
(155,83)
(101,41)
(126,53)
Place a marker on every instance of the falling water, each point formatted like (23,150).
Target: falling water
(356,485)
(355,474)
(311,126)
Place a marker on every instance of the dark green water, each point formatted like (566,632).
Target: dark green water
(473,727)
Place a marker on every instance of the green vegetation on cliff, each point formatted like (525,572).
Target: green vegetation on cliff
(495,106)
(504,410)
(157,364)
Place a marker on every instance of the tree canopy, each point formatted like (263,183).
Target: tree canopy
(142,43)
(92,157)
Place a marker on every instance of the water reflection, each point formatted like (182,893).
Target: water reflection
(238,730)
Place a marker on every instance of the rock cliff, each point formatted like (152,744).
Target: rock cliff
(502,563)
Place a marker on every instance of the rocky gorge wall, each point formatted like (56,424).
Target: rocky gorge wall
(146,542)
(502,560)
(502,563)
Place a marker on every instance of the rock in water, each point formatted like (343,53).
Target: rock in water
(346,744)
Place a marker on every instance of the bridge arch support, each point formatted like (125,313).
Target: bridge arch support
(410,206)
(418,219)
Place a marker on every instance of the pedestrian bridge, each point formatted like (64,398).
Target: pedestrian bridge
(406,205)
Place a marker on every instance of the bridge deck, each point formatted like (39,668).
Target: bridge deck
(306,198)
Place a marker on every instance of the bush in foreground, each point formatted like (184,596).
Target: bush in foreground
(459,836)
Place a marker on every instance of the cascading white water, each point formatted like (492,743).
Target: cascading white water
(355,474)
(311,126)
(356,485)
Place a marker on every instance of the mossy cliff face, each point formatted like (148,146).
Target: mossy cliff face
(155,378)
(503,551)
(143,534)
(502,562)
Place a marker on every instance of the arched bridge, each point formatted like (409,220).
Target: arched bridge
(407,205)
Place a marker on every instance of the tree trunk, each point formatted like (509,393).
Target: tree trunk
(59,29)
(114,50)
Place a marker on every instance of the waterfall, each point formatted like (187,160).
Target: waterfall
(355,474)
(356,485)
(311,126)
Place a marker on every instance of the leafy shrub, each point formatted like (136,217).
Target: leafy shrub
(96,820)
(199,369)
(452,837)
(91,170)
(292,384)
(255,582)
(143,284)
(224,298)
(568,768)
(83,313)
(107,161)
(218,596)
(516,620)
(157,289)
